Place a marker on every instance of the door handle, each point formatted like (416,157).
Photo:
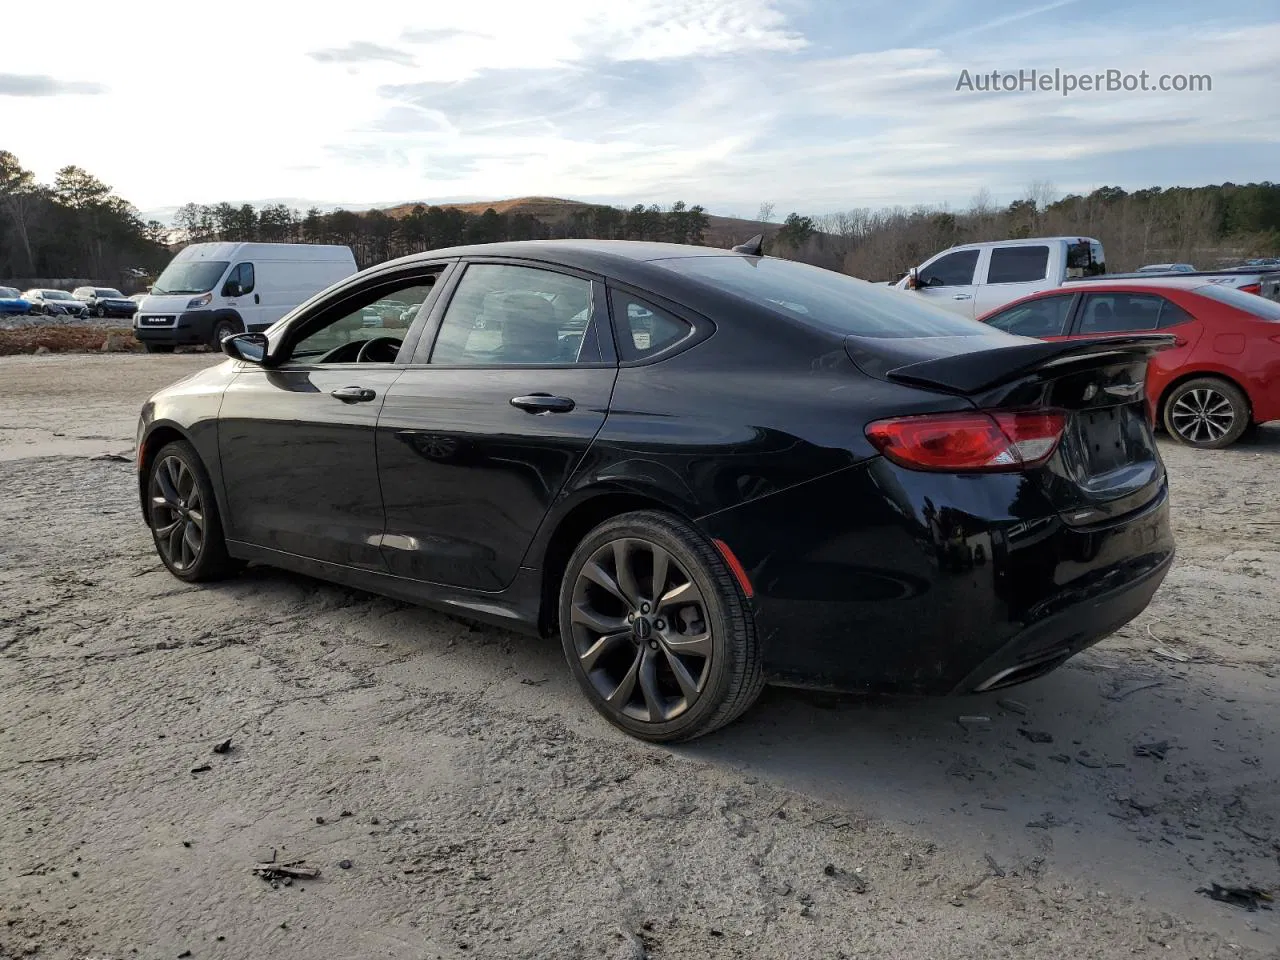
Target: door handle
(962,296)
(1179,341)
(255,299)
(543,403)
(353,394)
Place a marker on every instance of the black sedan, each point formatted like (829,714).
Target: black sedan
(106,301)
(705,470)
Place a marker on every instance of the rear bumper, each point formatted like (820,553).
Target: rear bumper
(882,579)
(192,327)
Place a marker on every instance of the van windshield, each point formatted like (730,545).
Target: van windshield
(190,276)
(827,299)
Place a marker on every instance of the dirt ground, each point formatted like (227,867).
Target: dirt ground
(461,800)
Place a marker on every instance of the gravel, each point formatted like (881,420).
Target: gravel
(489,817)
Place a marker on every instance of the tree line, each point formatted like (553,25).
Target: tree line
(374,236)
(78,227)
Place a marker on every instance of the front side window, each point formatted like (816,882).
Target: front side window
(503,314)
(953,270)
(239,281)
(1046,317)
(1018,264)
(346,336)
(1119,312)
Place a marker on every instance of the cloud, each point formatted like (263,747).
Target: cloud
(362,51)
(436,34)
(40,85)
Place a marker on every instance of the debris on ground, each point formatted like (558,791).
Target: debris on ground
(277,873)
(1155,750)
(114,457)
(1250,898)
(344,864)
(1014,706)
(1122,690)
(203,768)
(1164,653)
(996,869)
(223,747)
(973,721)
(1036,736)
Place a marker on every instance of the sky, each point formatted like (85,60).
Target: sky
(811,105)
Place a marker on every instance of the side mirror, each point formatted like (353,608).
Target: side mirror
(231,289)
(913,279)
(251,347)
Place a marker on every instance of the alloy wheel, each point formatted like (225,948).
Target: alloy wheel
(1202,415)
(177,513)
(641,631)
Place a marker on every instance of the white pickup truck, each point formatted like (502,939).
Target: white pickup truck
(977,278)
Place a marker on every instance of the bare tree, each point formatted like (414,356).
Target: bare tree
(765,214)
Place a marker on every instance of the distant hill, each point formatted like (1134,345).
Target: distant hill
(720,232)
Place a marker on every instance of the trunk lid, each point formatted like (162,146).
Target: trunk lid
(1107,463)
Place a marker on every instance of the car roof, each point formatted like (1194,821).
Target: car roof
(978,244)
(600,256)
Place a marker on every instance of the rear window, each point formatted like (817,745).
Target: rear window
(1260,307)
(826,299)
(1018,264)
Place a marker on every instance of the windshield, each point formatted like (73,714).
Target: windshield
(8,293)
(1250,303)
(190,276)
(57,295)
(108,292)
(827,299)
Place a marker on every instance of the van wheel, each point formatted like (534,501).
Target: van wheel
(221,330)
(1207,412)
(158,347)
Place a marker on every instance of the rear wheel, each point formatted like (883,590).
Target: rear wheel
(183,516)
(656,630)
(158,347)
(1207,412)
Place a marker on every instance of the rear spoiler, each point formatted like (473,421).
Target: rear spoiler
(974,372)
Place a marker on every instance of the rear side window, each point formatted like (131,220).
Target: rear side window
(953,270)
(643,329)
(1250,303)
(1119,312)
(825,299)
(1171,315)
(1018,264)
(1045,317)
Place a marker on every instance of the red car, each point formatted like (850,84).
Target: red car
(1219,380)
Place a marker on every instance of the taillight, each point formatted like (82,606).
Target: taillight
(978,441)
(1251,288)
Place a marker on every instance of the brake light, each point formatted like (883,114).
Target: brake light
(1251,288)
(963,442)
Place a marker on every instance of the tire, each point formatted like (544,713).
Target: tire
(221,329)
(157,347)
(1207,412)
(183,516)
(608,642)
(99,312)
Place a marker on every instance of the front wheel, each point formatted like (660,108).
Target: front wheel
(99,312)
(183,515)
(657,630)
(1207,412)
(221,330)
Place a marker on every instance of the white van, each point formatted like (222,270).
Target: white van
(212,290)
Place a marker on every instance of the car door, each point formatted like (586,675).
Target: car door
(1011,273)
(1044,318)
(240,294)
(504,396)
(296,440)
(949,281)
(1121,313)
